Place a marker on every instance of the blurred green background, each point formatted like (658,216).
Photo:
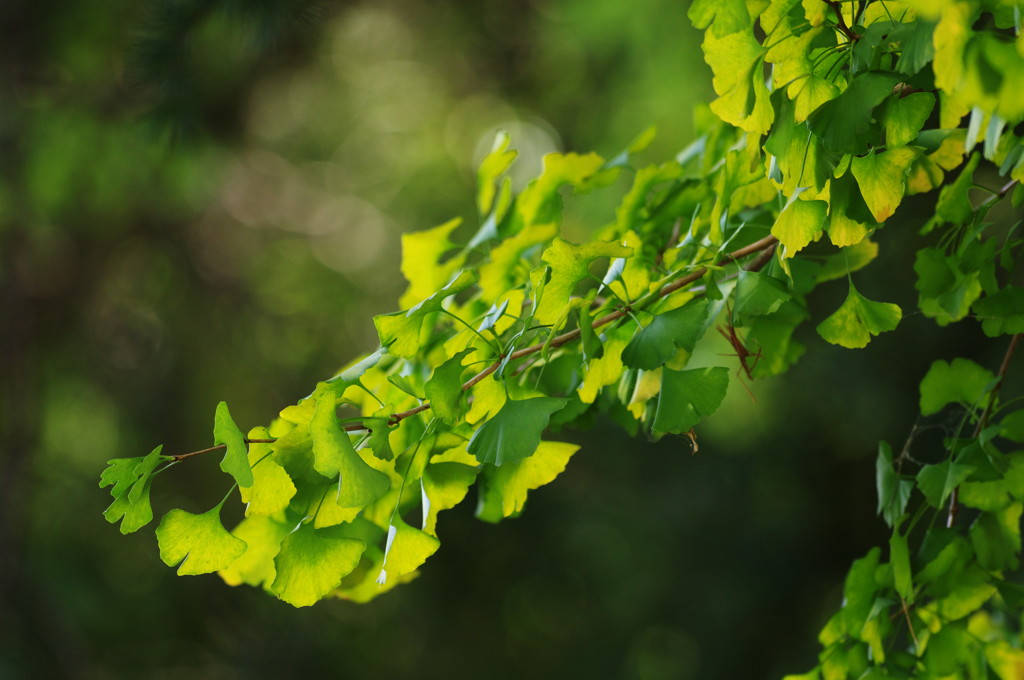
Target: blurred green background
(203,201)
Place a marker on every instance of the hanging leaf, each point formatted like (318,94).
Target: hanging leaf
(312,563)
(334,455)
(200,543)
(236,459)
(505,489)
(687,396)
(857,319)
(514,432)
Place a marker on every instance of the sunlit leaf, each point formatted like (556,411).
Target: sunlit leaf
(406,550)
(444,389)
(893,491)
(506,488)
(236,459)
(200,543)
(311,563)
(882,178)
(272,488)
(334,455)
(255,567)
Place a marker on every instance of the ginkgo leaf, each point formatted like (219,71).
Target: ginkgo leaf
(513,433)
(407,548)
(444,389)
(850,221)
(958,382)
(904,117)
(846,124)
(728,16)
(937,481)
(506,488)
(422,267)
(687,396)
(882,178)
(443,486)
(893,491)
(400,331)
(1001,313)
(757,294)
(312,562)
(272,488)
(236,460)
(570,264)
(334,454)
(666,334)
(131,479)
(200,543)
(799,224)
(857,319)
(736,59)
(491,168)
(255,567)
(603,370)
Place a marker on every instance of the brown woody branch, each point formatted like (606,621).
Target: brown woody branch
(766,248)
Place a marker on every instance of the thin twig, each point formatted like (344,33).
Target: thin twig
(765,246)
(183,456)
(841,21)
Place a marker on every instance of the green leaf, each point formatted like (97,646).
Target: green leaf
(945,292)
(996,538)
(570,264)
(131,479)
(904,117)
(847,124)
(514,432)
(916,49)
(959,382)
(491,169)
(687,396)
(272,488)
(799,224)
(505,489)
(859,591)
(882,179)
(1001,313)
(899,557)
(736,59)
(406,550)
(729,16)
(422,252)
(400,331)
(857,319)
(312,563)
(444,485)
(850,220)
(255,567)
(334,454)
(444,389)
(893,490)
(200,543)
(756,294)
(954,204)
(236,459)
(666,334)
(937,481)
(850,259)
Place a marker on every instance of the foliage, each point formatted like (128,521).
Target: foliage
(518,331)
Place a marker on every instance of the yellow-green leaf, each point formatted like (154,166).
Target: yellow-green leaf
(235,461)
(334,454)
(853,324)
(272,488)
(505,491)
(799,224)
(312,563)
(882,178)
(407,548)
(199,542)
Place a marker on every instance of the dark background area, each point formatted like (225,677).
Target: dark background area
(203,201)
